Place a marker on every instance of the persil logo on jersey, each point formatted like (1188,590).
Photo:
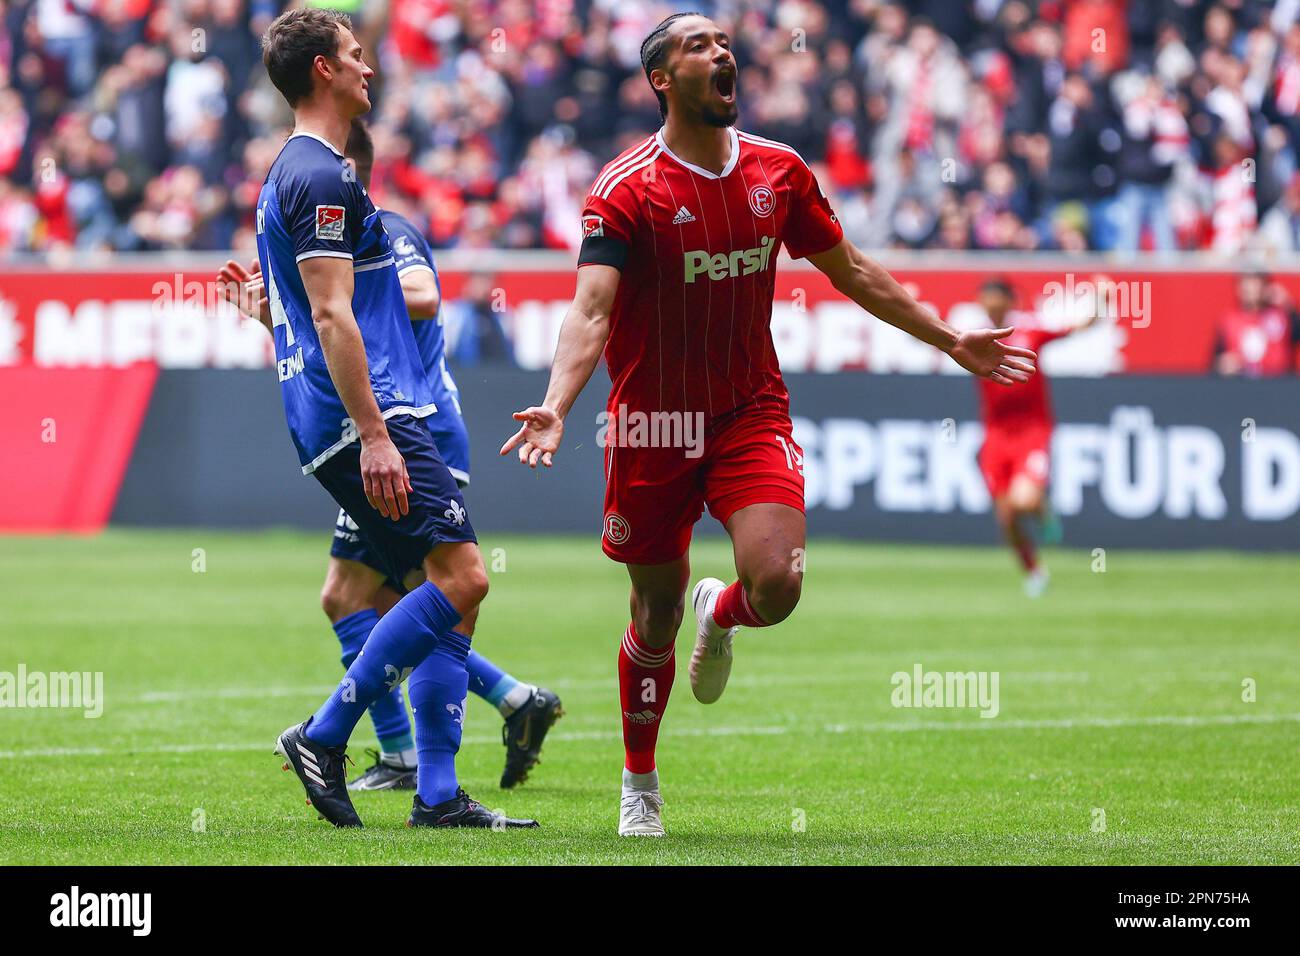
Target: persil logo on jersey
(329,223)
(592,226)
(728,265)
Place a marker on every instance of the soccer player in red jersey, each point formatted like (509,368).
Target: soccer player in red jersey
(1018,434)
(1261,336)
(675,282)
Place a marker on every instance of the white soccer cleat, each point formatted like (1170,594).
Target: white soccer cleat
(639,813)
(1036,582)
(711,659)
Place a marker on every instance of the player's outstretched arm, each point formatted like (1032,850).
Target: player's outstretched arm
(979,351)
(582,339)
(328,282)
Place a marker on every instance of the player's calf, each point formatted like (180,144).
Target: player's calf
(645,679)
(349,587)
(657,617)
(349,598)
(646,668)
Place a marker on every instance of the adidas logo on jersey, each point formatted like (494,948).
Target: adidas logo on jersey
(683,215)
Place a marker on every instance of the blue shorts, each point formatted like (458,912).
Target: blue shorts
(437,510)
(452,440)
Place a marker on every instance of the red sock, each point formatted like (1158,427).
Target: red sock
(733,608)
(1027,553)
(645,678)
(1025,549)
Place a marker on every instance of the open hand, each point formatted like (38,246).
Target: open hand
(981,353)
(245,290)
(384,477)
(538,438)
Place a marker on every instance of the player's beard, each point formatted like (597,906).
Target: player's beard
(720,118)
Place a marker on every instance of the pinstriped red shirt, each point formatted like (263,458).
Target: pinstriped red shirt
(1010,410)
(691,325)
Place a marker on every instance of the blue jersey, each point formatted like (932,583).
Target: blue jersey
(411,252)
(311,205)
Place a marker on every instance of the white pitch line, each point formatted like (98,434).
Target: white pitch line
(597,683)
(976,723)
(225,693)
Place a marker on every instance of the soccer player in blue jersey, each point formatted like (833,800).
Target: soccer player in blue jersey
(356,591)
(354,394)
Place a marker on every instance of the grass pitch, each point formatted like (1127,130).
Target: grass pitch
(1122,734)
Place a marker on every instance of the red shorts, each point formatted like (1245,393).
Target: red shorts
(654,496)
(1005,457)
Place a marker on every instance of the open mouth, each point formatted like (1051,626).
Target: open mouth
(724,81)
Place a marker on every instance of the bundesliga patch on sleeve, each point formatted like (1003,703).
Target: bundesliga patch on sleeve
(592,226)
(329,223)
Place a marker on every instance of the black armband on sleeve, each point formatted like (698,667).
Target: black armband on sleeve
(603,251)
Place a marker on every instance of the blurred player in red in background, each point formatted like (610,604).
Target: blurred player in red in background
(675,282)
(1018,436)
(1261,336)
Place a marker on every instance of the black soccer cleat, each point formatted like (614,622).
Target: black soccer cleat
(524,732)
(461,811)
(384,776)
(321,770)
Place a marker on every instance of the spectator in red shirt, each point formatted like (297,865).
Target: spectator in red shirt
(1261,337)
(1096,35)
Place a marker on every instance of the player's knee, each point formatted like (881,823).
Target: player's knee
(775,592)
(461,578)
(1026,500)
(473,587)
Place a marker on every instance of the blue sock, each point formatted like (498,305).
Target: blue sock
(402,639)
(487,680)
(388,713)
(438,687)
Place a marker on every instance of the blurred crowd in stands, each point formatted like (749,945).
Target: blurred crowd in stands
(1069,125)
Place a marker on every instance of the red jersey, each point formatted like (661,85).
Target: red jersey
(690,329)
(1264,342)
(1025,405)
